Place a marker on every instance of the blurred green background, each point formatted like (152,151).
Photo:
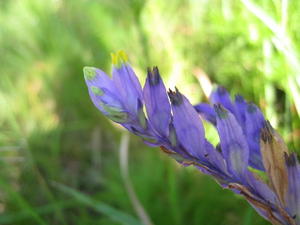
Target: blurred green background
(59,157)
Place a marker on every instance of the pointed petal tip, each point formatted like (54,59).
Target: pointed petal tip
(267,132)
(251,108)
(291,159)
(175,97)
(89,72)
(153,75)
(220,111)
(239,98)
(221,90)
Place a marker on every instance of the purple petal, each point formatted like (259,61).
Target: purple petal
(254,123)
(157,103)
(241,106)
(215,157)
(265,213)
(207,112)
(103,94)
(188,126)
(127,85)
(97,77)
(233,142)
(221,96)
(261,189)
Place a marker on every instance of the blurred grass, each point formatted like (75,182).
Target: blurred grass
(50,131)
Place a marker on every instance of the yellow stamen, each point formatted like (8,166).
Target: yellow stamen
(119,58)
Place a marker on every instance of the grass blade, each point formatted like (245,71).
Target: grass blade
(123,151)
(112,213)
(12,218)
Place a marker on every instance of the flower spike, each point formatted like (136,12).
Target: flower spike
(248,144)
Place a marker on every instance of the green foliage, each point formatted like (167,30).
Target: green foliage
(51,132)
(114,214)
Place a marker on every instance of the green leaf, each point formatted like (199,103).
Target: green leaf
(112,213)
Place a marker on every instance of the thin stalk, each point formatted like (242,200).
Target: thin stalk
(123,156)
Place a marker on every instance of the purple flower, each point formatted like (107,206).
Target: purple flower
(248,143)
(157,103)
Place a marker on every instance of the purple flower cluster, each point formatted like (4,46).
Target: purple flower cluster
(249,147)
